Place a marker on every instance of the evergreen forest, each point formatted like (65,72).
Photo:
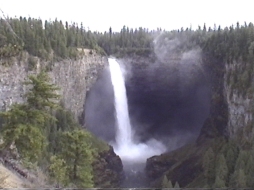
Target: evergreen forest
(61,147)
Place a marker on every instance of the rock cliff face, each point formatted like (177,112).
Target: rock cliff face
(230,113)
(108,170)
(238,91)
(230,117)
(216,123)
(160,94)
(184,165)
(74,77)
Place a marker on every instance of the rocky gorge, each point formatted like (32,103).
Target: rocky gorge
(74,79)
(224,110)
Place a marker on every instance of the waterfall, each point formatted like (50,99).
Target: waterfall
(125,147)
(123,135)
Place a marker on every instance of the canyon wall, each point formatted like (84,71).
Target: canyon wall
(238,90)
(73,77)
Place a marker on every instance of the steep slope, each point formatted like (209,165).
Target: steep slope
(74,77)
(184,165)
(9,179)
(230,119)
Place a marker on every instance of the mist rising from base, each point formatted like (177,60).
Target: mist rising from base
(130,150)
(139,152)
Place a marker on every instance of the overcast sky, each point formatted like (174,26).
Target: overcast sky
(167,14)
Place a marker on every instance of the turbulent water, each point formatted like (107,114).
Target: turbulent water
(125,146)
(124,133)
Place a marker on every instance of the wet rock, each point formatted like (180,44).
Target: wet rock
(156,166)
(108,170)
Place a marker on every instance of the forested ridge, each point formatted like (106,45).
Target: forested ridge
(229,164)
(47,136)
(41,38)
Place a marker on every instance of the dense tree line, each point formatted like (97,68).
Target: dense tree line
(47,136)
(128,40)
(225,164)
(232,43)
(42,39)
(230,166)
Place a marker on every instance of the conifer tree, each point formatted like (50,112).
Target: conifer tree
(221,167)
(42,94)
(241,160)
(166,183)
(77,152)
(238,179)
(176,185)
(25,123)
(209,166)
(221,172)
(20,130)
(231,157)
(219,183)
(250,172)
(58,170)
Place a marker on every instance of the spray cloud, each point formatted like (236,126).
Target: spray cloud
(125,146)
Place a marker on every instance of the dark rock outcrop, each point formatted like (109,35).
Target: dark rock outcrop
(155,166)
(108,170)
(161,94)
(184,165)
(215,125)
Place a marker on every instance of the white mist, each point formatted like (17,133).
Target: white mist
(125,147)
(123,134)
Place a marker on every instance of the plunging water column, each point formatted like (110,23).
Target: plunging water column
(125,147)
(124,133)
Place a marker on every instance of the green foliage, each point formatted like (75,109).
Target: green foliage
(35,125)
(242,159)
(221,172)
(77,153)
(58,170)
(219,183)
(25,123)
(65,120)
(226,164)
(9,50)
(41,39)
(31,62)
(76,147)
(42,95)
(62,39)
(19,128)
(209,166)
(231,156)
(98,144)
(238,179)
(1,122)
(250,172)
(221,167)
(46,134)
(166,183)
(176,185)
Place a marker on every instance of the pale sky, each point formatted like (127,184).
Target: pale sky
(167,14)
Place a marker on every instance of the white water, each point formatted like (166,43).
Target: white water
(124,146)
(124,136)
